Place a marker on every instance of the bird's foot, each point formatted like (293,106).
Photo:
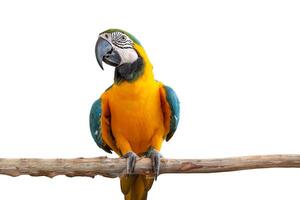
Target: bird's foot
(155,157)
(131,160)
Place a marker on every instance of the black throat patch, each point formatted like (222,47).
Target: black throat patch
(129,71)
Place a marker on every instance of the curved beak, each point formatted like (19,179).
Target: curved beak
(105,52)
(103,47)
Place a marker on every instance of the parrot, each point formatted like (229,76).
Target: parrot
(136,113)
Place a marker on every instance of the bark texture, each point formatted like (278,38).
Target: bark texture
(114,167)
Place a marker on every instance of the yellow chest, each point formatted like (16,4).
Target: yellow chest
(136,113)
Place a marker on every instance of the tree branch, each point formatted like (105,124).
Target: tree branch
(114,167)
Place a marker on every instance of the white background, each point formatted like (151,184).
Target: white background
(234,65)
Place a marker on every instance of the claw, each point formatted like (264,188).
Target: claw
(131,160)
(155,159)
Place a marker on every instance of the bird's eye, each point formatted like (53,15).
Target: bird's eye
(123,37)
(106,35)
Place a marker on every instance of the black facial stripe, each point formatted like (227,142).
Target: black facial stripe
(124,47)
(123,43)
(121,40)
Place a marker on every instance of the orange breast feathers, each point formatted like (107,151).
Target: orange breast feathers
(136,116)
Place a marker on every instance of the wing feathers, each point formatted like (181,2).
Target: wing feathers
(171,110)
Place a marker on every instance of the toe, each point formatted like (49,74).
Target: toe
(155,159)
(131,160)
(156,164)
(131,164)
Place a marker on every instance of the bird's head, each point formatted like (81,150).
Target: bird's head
(122,50)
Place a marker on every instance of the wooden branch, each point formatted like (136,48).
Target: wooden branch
(114,167)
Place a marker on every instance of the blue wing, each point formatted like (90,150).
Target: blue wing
(95,125)
(173,102)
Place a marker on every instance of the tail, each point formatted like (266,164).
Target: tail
(136,187)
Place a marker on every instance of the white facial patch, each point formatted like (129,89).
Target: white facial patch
(128,55)
(122,44)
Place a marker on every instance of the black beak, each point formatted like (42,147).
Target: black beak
(105,52)
(102,48)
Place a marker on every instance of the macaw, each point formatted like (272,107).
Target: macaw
(134,115)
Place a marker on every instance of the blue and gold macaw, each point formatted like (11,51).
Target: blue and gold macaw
(135,114)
